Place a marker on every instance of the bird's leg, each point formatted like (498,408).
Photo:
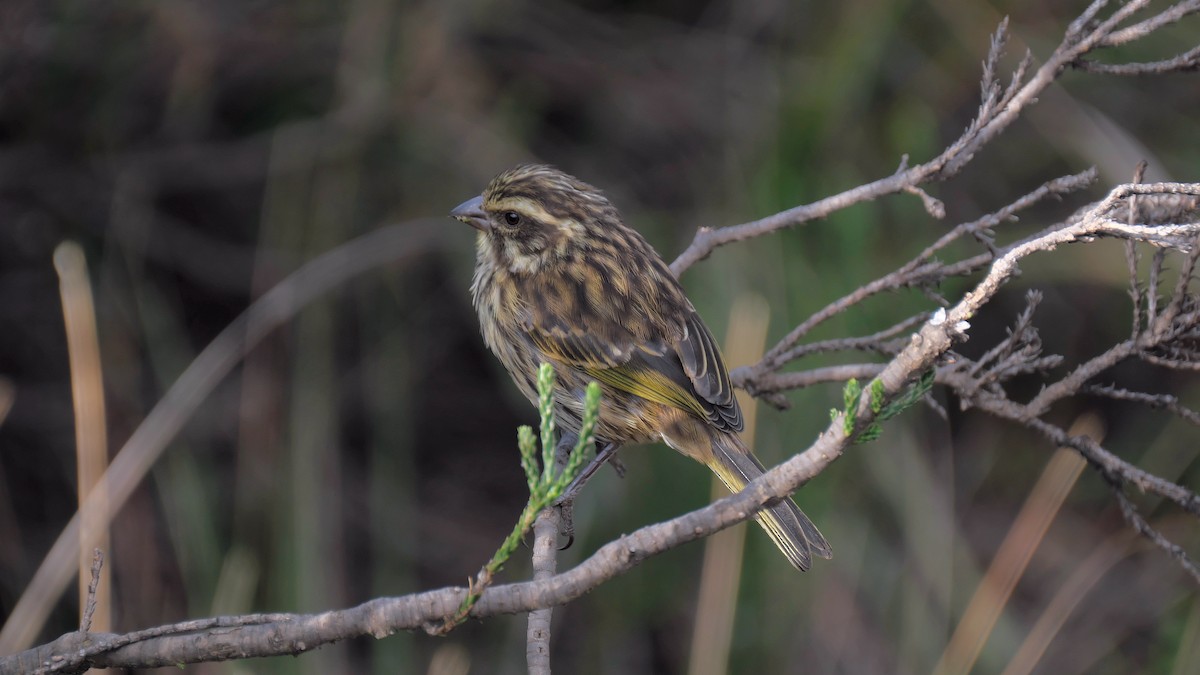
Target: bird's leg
(617,465)
(606,453)
(566,502)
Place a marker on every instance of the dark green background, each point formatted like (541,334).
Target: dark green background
(199,151)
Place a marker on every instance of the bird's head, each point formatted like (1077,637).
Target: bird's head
(534,215)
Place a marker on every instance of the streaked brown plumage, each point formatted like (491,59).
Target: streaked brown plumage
(560,278)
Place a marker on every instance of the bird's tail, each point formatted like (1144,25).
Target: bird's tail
(784,522)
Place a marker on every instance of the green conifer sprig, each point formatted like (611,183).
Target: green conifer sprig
(545,485)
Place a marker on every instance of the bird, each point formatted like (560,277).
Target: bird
(560,278)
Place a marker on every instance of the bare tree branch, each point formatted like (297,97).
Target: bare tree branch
(278,634)
(164,421)
(545,564)
(1157,401)
(979,383)
(994,116)
(537,647)
(921,269)
(1144,28)
(1135,519)
(1189,60)
(286,634)
(85,623)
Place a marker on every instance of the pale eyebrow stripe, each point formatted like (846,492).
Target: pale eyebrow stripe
(524,206)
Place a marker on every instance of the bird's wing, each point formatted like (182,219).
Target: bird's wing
(705,369)
(684,371)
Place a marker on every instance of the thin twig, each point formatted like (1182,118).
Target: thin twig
(1165,402)
(85,624)
(1131,256)
(1092,451)
(104,643)
(776,382)
(1157,263)
(1173,364)
(1135,519)
(919,269)
(988,123)
(876,342)
(1189,60)
(1054,188)
(1071,383)
(1141,30)
(1161,328)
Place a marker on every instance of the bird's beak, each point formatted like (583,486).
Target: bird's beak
(471,213)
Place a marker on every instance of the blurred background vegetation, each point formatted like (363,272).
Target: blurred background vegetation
(200,151)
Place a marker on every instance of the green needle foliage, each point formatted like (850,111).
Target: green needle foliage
(852,394)
(545,486)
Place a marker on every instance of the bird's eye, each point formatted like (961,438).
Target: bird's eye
(512,218)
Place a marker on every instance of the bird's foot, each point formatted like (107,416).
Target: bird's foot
(566,502)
